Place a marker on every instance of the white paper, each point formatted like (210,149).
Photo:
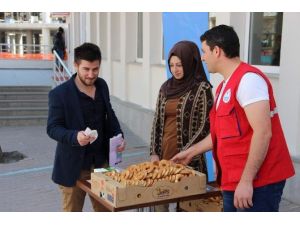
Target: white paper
(103,170)
(91,133)
(115,157)
(100,170)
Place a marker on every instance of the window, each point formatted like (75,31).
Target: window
(140,36)
(265,38)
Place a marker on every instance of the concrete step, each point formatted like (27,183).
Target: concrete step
(23,95)
(23,120)
(24,111)
(25,88)
(23,103)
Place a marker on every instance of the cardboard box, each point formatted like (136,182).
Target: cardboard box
(119,195)
(210,204)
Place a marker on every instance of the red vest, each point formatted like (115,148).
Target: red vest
(231,135)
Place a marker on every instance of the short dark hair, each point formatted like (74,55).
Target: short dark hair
(225,38)
(87,51)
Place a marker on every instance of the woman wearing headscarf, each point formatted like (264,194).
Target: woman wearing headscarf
(182,110)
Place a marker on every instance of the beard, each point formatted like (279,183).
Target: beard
(87,82)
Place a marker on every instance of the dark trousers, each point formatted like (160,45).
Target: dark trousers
(61,55)
(265,199)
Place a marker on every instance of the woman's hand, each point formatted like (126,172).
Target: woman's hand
(184,157)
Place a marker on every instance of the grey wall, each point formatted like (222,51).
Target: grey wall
(138,119)
(26,77)
(26,72)
(293,184)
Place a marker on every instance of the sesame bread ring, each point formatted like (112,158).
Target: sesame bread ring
(155,163)
(178,177)
(164,163)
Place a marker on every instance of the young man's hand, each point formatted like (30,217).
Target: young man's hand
(122,146)
(84,139)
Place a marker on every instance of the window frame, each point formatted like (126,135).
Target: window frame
(266,69)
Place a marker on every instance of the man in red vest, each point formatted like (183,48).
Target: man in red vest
(249,148)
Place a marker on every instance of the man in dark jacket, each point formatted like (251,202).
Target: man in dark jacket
(81,102)
(59,45)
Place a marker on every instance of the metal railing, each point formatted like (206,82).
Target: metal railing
(61,73)
(25,51)
(25,48)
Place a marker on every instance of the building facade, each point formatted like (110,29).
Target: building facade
(29,32)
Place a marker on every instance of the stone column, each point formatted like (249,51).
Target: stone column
(12,39)
(19,43)
(6,47)
(46,41)
(28,42)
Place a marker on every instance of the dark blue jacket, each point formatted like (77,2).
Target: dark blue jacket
(65,119)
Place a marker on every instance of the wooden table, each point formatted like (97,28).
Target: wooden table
(86,186)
